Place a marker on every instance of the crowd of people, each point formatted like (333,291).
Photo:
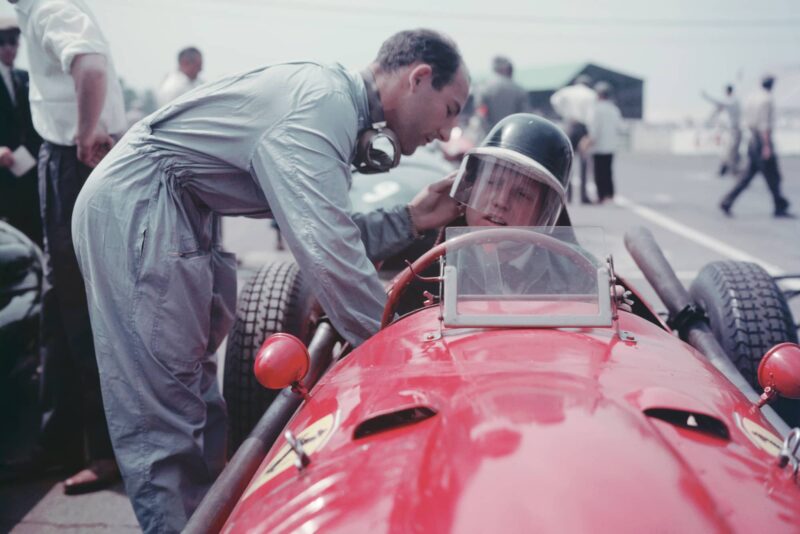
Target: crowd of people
(140,293)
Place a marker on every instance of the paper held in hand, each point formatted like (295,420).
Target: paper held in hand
(23,161)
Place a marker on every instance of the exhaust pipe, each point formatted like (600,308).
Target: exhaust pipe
(217,505)
(687,319)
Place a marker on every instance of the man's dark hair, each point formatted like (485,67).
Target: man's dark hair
(503,66)
(189,53)
(425,46)
(729,89)
(767,82)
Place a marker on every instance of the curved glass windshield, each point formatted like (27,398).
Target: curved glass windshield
(526,276)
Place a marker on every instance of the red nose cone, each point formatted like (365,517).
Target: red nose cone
(780,369)
(281,361)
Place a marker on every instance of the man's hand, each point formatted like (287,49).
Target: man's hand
(433,207)
(766,151)
(6,157)
(93,147)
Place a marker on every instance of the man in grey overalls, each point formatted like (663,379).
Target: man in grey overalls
(278,142)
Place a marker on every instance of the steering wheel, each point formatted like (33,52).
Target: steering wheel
(480,237)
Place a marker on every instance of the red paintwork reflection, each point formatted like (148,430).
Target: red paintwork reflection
(536,431)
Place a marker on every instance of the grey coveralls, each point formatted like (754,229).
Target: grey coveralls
(276,141)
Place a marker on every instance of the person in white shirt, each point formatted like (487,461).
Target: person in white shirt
(574,103)
(186,78)
(605,123)
(77,108)
(759,116)
(730,105)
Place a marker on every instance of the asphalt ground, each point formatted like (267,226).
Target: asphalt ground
(676,197)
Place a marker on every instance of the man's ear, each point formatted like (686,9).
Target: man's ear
(419,74)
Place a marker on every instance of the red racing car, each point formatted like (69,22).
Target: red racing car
(536,392)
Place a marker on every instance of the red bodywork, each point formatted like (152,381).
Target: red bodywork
(535,430)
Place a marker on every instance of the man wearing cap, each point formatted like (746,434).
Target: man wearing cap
(19,192)
(759,116)
(77,108)
(574,103)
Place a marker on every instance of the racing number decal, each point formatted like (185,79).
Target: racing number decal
(312,438)
(760,436)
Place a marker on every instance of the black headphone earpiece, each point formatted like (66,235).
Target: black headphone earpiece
(369,157)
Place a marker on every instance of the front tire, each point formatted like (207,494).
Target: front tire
(276,299)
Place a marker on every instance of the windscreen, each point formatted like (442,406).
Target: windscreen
(550,275)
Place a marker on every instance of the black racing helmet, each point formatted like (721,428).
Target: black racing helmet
(519,174)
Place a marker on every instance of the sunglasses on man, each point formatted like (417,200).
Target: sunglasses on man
(10,40)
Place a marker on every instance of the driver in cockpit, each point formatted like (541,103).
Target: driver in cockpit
(517,177)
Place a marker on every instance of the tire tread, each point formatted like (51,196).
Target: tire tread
(268,303)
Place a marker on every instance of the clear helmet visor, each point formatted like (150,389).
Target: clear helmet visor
(504,188)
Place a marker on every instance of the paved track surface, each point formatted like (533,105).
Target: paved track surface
(676,197)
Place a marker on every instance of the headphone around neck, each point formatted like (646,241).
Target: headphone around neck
(370,158)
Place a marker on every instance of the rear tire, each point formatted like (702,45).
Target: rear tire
(748,315)
(275,299)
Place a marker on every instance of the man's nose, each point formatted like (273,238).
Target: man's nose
(446,130)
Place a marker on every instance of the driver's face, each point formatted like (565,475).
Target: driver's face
(513,200)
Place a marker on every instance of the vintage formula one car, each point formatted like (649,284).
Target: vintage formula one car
(532,394)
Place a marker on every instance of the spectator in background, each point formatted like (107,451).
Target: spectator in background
(19,190)
(501,96)
(605,123)
(730,105)
(574,103)
(77,110)
(759,116)
(190,63)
